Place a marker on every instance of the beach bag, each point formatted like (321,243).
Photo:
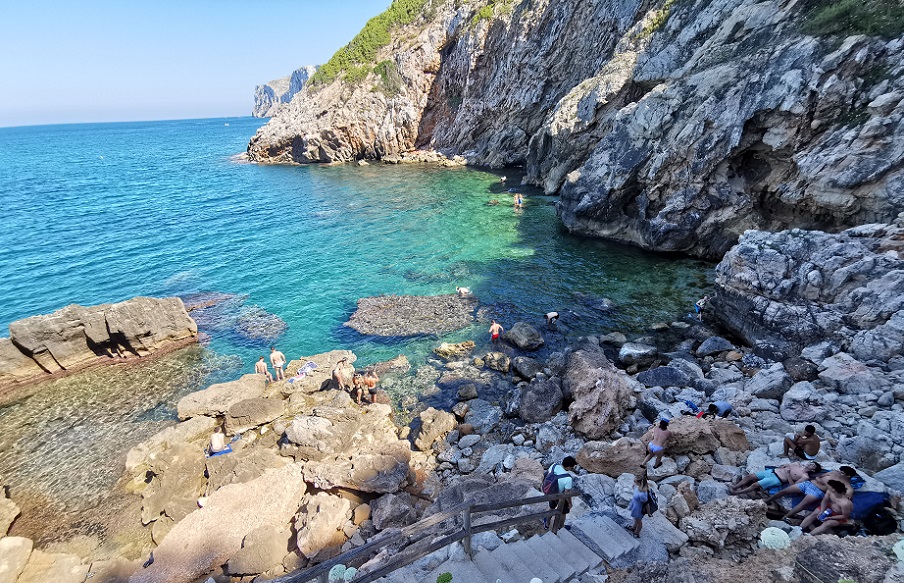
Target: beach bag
(880,521)
(551,481)
(651,505)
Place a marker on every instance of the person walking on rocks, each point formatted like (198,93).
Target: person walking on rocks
(557,480)
(261,368)
(278,360)
(699,305)
(638,499)
(495,331)
(805,445)
(656,448)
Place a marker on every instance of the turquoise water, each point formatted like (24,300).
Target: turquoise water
(101,213)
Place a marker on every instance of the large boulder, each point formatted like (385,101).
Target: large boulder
(803,402)
(14,553)
(320,523)
(714,345)
(177,480)
(702,436)
(262,549)
(637,353)
(769,383)
(524,337)
(602,398)
(434,425)
(612,459)
(482,415)
(209,536)
(393,511)
(251,413)
(196,430)
(216,400)
(540,400)
(75,335)
(725,522)
(892,477)
(45,567)
(664,376)
(526,368)
(319,378)
(242,466)
(380,469)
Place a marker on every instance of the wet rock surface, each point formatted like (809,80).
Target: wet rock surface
(412,315)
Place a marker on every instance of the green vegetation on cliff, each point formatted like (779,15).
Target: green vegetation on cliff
(355,59)
(883,18)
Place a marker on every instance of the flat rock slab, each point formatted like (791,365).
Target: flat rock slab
(412,315)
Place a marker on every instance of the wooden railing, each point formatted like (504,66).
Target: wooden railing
(409,539)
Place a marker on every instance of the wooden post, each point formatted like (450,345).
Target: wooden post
(467,526)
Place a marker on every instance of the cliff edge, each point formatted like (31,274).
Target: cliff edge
(675,125)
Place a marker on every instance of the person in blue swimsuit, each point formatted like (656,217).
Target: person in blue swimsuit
(656,448)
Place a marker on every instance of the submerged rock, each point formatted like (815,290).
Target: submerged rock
(412,315)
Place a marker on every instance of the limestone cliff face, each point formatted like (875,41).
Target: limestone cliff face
(270,97)
(675,125)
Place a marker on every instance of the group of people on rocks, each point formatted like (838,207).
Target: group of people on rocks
(278,360)
(359,381)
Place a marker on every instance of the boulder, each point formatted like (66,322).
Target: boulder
(581,371)
(467,392)
(848,376)
(637,353)
(393,511)
(682,503)
(451,351)
(252,413)
(177,480)
(380,470)
(262,549)
(319,378)
(402,316)
(664,376)
(800,369)
(524,337)
(320,525)
(540,400)
(434,425)
(892,477)
(497,361)
(14,554)
(9,511)
(714,345)
(612,459)
(196,430)
(482,416)
(526,368)
(56,567)
(803,402)
(710,490)
(701,436)
(725,522)
(769,383)
(242,466)
(601,401)
(209,536)
(217,399)
(15,366)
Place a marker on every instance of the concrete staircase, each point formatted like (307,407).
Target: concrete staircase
(553,558)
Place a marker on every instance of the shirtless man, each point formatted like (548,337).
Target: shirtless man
(815,489)
(370,381)
(656,448)
(551,318)
(278,360)
(786,474)
(495,331)
(834,510)
(357,386)
(519,200)
(337,374)
(699,305)
(805,445)
(261,368)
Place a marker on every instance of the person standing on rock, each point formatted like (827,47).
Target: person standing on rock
(805,445)
(370,381)
(656,448)
(495,331)
(638,499)
(699,305)
(261,368)
(278,360)
(338,375)
(557,480)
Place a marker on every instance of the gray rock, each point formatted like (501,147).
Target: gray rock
(435,424)
(664,376)
(252,413)
(524,336)
(497,361)
(887,399)
(714,345)
(482,415)
(469,441)
(526,368)
(803,402)
(540,400)
(847,375)
(401,316)
(393,511)
(769,383)
(636,353)
(893,477)
(709,490)
(271,97)
(801,369)
(467,392)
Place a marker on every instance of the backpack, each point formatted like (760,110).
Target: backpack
(651,505)
(879,521)
(551,481)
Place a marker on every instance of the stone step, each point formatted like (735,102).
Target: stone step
(535,563)
(491,568)
(509,560)
(580,548)
(558,546)
(461,571)
(604,536)
(541,549)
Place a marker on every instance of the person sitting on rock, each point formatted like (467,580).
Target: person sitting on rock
(717,409)
(217,441)
(771,477)
(656,448)
(261,368)
(805,445)
(814,490)
(835,509)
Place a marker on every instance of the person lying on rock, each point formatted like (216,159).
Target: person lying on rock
(771,477)
(656,448)
(814,490)
(805,445)
(835,510)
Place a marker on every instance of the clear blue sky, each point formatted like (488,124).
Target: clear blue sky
(64,61)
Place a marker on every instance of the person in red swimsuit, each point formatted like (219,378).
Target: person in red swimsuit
(834,510)
(495,331)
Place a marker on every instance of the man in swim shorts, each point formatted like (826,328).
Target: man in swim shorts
(370,380)
(834,510)
(699,305)
(261,368)
(551,318)
(495,331)
(805,445)
(278,360)
(656,448)
(814,490)
(771,477)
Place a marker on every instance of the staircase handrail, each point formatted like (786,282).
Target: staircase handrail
(321,571)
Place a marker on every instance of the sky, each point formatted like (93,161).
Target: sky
(71,61)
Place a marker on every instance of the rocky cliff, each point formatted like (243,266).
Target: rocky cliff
(675,125)
(76,336)
(270,97)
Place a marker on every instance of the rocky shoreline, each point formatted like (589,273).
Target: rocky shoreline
(314,474)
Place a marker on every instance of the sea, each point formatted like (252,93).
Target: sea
(99,213)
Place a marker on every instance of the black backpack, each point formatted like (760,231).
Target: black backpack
(651,505)
(879,521)
(551,481)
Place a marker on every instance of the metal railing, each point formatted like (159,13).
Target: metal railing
(409,539)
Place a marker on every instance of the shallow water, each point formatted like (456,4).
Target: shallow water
(104,212)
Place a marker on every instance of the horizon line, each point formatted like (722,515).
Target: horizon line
(76,123)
